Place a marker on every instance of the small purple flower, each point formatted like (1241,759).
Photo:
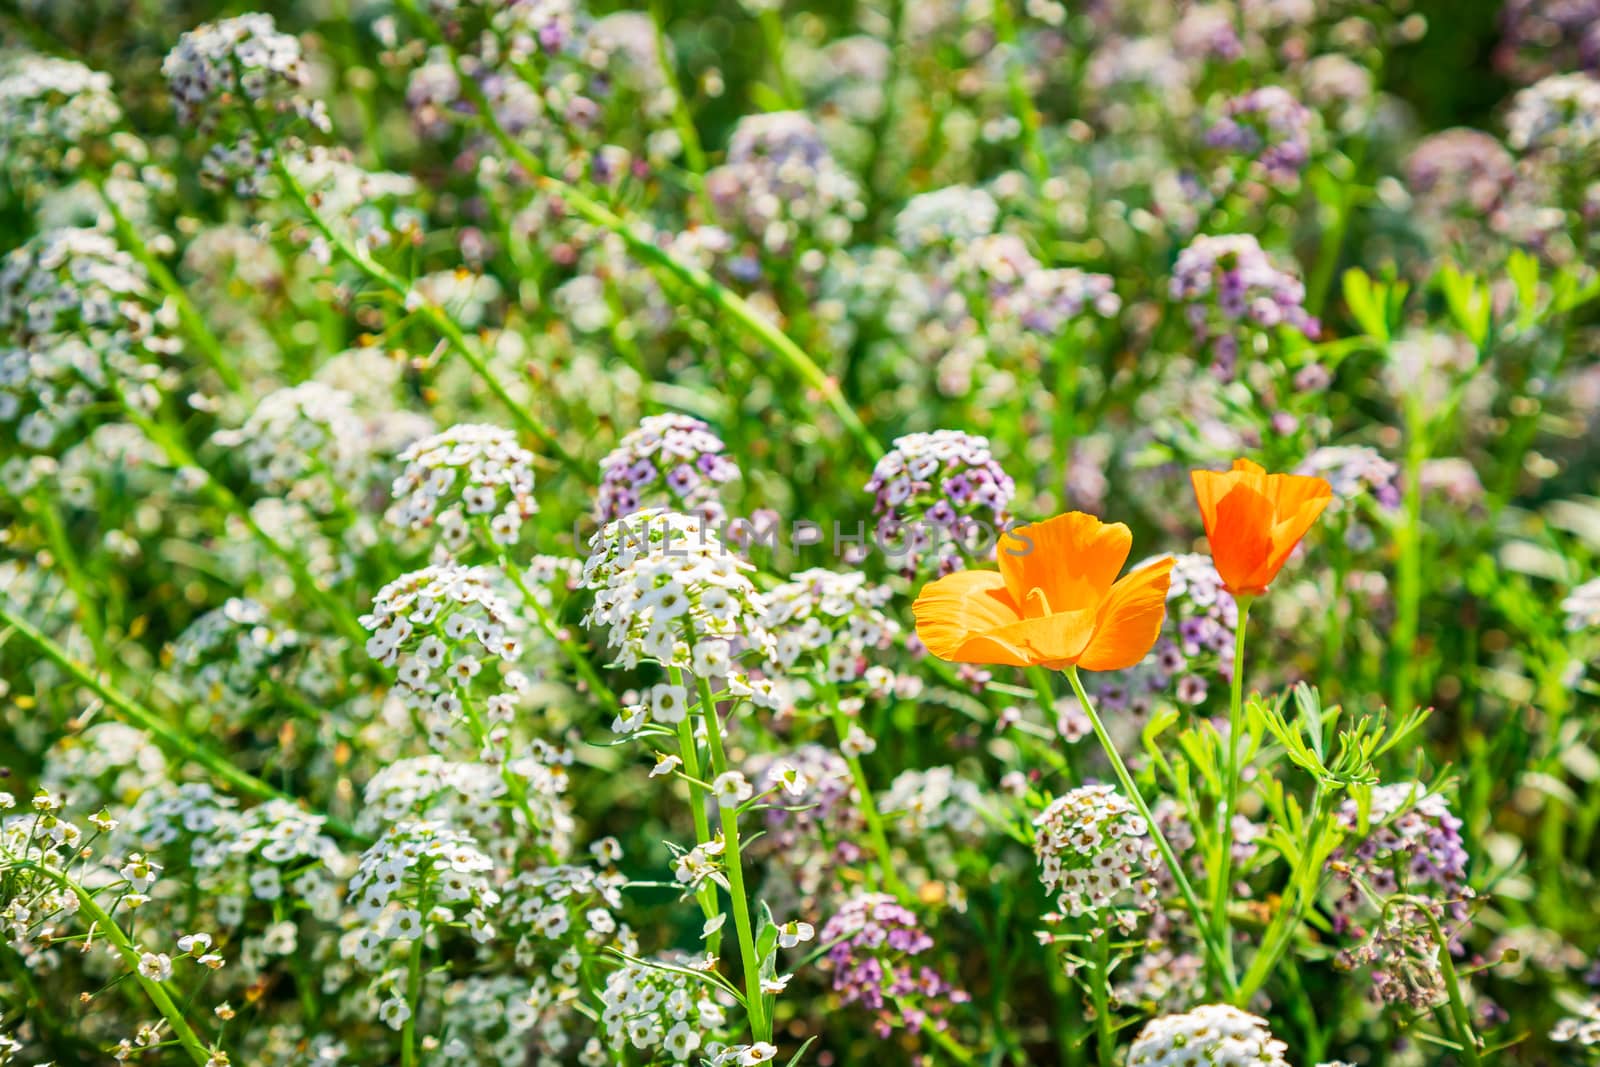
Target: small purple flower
(872,935)
(670,459)
(1270,129)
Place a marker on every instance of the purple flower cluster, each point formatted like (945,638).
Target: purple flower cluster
(1269,127)
(1410,843)
(1459,172)
(1354,470)
(934,489)
(1230,286)
(780,181)
(670,460)
(1018,286)
(1543,37)
(871,937)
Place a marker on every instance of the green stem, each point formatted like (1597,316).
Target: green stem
(178,454)
(694,155)
(408,1033)
(1227,803)
(1408,576)
(1452,986)
(757,326)
(1168,856)
(157,991)
(44,501)
(760,1025)
(194,324)
(164,732)
(947,1044)
(772,33)
(869,805)
(1033,159)
(1100,991)
(569,648)
(435,316)
(1301,891)
(689,752)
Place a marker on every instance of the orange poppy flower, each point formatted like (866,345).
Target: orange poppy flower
(1055,602)
(1254,519)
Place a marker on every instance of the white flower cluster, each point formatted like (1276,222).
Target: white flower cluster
(1580,1028)
(305,442)
(431,787)
(1559,117)
(491,1018)
(77,314)
(1212,1035)
(271,852)
(951,215)
(1582,606)
(439,628)
(670,591)
(660,1012)
(50,109)
(1095,853)
(571,909)
(780,182)
(419,875)
(216,63)
(39,837)
(495,804)
(936,800)
(367,207)
(831,623)
(232,656)
(936,492)
(470,474)
(669,459)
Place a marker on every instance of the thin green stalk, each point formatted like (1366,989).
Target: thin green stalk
(1301,891)
(432,314)
(339,612)
(760,1025)
(757,326)
(164,732)
(569,648)
(408,1033)
(1100,992)
(869,805)
(1408,573)
(194,324)
(694,154)
(1033,159)
(1168,856)
(44,502)
(947,1044)
(772,33)
(689,752)
(883,122)
(1452,987)
(1227,803)
(160,999)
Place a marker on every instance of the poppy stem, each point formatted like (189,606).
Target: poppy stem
(1168,856)
(1228,801)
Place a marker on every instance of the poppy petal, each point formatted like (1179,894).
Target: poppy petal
(1241,543)
(1072,559)
(1130,619)
(957,607)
